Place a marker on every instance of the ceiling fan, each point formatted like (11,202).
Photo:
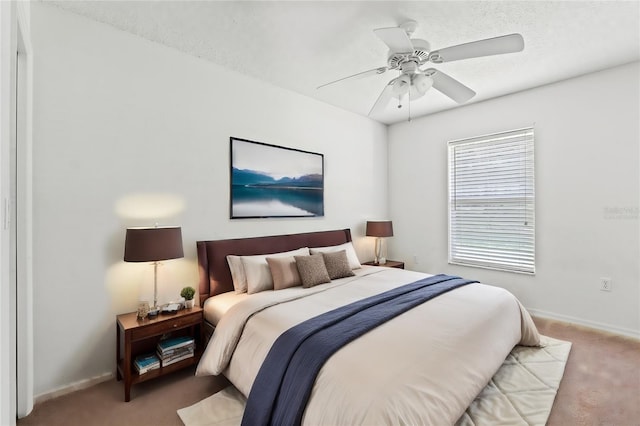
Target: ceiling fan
(408,55)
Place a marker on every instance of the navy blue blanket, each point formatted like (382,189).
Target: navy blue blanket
(282,387)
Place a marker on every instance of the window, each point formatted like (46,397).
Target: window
(491,201)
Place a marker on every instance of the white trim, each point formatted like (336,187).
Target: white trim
(491,268)
(7,288)
(486,135)
(24,218)
(627,332)
(75,386)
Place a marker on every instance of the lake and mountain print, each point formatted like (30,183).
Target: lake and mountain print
(273,181)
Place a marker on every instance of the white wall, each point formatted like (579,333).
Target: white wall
(586,142)
(118,119)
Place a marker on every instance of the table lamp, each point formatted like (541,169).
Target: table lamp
(379,229)
(153,245)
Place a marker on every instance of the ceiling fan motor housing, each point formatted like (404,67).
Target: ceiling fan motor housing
(420,54)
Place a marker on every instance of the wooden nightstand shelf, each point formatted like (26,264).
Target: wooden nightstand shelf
(135,337)
(389,264)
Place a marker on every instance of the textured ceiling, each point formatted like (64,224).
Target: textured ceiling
(301,45)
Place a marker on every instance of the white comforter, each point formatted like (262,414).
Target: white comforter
(423,367)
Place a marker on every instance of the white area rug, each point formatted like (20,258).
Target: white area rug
(520,393)
(523,389)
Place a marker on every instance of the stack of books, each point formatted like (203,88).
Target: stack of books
(146,362)
(175,349)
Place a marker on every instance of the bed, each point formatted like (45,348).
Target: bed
(425,366)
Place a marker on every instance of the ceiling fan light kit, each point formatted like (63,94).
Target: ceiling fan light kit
(422,82)
(407,56)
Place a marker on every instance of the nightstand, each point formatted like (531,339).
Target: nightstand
(389,264)
(139,336)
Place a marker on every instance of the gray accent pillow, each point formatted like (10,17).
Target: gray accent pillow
(351,253)
(337,264)
(312,270)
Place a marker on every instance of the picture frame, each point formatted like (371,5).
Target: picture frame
(271,181)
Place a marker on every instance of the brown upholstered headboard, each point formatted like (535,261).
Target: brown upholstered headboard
(215,276)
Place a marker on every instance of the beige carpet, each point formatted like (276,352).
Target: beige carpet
(521,392)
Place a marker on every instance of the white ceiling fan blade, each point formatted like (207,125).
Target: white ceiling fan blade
(451,87)
(362,74)
(384,98)
(492,46)
(396,38)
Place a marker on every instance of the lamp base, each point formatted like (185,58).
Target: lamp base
(379,250)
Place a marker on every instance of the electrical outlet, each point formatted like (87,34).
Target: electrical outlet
(415,259)
(606,284)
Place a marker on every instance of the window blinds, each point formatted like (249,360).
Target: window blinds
(491,201)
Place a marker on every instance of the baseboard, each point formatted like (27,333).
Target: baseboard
(628,332)
(76,386)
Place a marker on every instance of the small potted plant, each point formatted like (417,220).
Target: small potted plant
(188,293)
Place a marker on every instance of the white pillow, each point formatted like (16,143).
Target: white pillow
(256,269)
(237,273)
(354,262)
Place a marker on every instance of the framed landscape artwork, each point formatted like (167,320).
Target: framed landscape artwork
(274,181)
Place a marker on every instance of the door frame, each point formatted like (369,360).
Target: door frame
(24,217)
(16,316)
